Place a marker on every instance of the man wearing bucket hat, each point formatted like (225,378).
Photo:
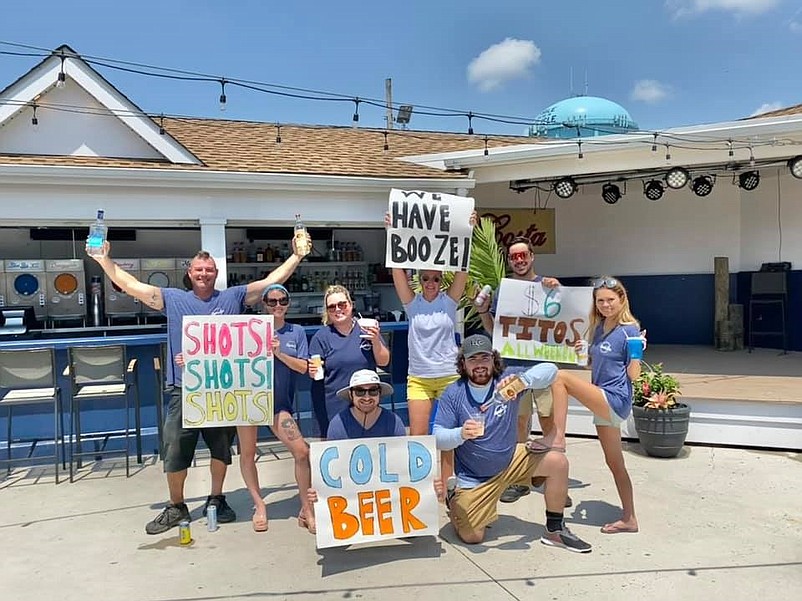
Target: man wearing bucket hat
(488,459)
(364,418)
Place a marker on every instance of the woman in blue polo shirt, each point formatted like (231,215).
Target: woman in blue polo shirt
(344,347)
(289,359)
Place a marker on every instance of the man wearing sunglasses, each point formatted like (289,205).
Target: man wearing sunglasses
(179,443)
(521,261)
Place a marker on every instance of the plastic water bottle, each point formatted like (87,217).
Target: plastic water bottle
(483,294)
(97,236)
(301,243)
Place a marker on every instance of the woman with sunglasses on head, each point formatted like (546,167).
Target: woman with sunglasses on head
(289,358)
(344,347)
(609,393)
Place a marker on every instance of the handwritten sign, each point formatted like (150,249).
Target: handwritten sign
(535,224)
(373,489)
(429,231)
(228,370)
(540,324)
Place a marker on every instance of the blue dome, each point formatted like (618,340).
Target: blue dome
(593,116)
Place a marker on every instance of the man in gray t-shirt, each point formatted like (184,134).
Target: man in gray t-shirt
(179,443)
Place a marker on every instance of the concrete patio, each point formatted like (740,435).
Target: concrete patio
(716,523)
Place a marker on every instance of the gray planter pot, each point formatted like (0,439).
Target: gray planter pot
(662,432)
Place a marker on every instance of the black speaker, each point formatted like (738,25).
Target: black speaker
(774,267)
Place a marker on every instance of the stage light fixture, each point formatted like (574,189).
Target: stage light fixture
(795,166)
(653,190)
(565,187)
(677,177)
(611,193)
(702,185)
(749,180)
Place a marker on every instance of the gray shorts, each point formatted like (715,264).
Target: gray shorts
(180,442)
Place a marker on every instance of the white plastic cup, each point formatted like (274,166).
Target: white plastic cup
(582,353)
(317,360)
(479,418)
(366,322)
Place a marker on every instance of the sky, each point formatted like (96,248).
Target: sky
(669,62)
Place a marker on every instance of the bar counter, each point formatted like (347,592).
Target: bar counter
(143,343)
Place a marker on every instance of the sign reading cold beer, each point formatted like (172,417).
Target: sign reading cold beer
(228,370)
(535,224)
(538,323)
(429,231)
(373,489)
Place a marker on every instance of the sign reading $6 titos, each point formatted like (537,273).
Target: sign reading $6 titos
(429,231)
(372,489)
(538,323)
(228,370)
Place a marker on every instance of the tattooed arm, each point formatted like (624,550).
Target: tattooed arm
(150,295)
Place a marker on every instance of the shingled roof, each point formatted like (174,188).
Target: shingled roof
(245,146)
(789,110)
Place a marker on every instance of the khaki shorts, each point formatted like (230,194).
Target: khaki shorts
(542,398)
(475,508)
(428,389)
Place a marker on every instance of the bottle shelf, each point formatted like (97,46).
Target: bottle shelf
(307,265)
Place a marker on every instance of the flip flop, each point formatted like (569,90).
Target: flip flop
(304,522)
(537,447)
(613,529)
(259,524)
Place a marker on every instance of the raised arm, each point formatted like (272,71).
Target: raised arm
(278,276)
(145,293)
(457,287)
(402,287)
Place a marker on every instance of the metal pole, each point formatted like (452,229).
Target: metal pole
(388,97)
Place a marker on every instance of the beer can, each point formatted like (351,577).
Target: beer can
(211,518)
(184,533)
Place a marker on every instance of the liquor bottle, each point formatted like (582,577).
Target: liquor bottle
(97,236)
(301,243)
(521,381)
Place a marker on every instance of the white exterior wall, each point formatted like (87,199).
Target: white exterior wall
(681,233)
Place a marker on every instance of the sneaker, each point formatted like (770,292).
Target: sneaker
(514,492)
(566,539)
(224,512)
(170,517)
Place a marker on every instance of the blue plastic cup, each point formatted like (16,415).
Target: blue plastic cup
(635,347)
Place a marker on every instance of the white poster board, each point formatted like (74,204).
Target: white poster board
(373,489)
(429,231)
(228,370)
(536,323)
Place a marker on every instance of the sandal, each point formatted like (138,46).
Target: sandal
(538,447)
(309,524)
(618,528)
(259,523)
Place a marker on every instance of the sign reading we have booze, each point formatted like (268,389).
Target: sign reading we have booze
(228,370)
(373,489)
(538,323)
(429,231)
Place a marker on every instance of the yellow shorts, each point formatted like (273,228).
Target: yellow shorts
(542,398)
(428,389)
(474,508)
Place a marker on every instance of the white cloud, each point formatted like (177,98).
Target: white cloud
(507,60)
(650,90)
(682,8)
(767,107)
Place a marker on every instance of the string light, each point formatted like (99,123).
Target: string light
(386,145)
(61,80)
(161,124)
(222,95)
(356,110)
(729,145)
(751,157)
(470,124)
(654,143)
(668,152)
(486,152)
(580,155)
(34,120)
(278,133)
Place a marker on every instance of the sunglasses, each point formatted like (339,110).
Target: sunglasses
(430,278)
(520,256)
(605,283)
(372,391)
(342,305)
(272,302)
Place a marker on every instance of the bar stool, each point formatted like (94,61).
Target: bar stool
(102,373)
(28,377)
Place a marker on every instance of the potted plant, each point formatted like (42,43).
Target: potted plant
(660,420)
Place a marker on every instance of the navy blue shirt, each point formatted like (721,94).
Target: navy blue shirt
(345,425)
(292,339)
(608,363)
